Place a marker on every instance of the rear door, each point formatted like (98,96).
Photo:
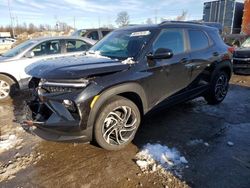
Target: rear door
(202,52)
(170,75)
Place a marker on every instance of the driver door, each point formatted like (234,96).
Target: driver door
(173,74)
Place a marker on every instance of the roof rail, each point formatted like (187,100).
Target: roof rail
(190,22)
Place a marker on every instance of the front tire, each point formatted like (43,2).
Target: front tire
(7,88)
(117,123)
(218,88)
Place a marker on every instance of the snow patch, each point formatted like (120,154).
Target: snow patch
(8,141)
(96,54)
(129,61)
(155,157)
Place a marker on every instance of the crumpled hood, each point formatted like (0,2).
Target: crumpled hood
(242,53)
(74,67)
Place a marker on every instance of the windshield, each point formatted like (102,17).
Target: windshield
(122,44)
(18,49)
(246,44)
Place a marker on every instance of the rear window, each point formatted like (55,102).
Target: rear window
(198,40)
(104,33)
(93,35)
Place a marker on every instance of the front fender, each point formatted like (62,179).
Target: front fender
(116,90)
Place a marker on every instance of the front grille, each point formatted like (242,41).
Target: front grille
(241,62)
(58,89)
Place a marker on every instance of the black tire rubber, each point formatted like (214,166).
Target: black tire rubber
(110,105)
(210,96)
(13,87)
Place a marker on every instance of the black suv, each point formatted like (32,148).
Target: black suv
(103,95)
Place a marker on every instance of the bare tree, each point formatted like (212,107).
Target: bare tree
(149,21)
(122,19)
(32,28)
(183,16)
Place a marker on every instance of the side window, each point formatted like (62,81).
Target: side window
(104,33)
(198,40)
(47,48)
(172,39)
(93,35)
(76,46)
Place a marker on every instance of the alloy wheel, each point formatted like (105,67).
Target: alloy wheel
(4,89)
(119,125)
(221,87)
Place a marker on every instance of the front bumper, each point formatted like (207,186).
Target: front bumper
(241,65)
(49,118)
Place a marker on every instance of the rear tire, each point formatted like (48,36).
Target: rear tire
(218,88)
(7,88)
(117,123)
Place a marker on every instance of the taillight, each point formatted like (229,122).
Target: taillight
(231,49)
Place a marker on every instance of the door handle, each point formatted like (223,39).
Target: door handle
(184,60)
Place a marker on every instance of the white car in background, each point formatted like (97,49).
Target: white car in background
(14,62)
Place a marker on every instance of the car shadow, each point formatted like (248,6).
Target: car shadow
(181,125)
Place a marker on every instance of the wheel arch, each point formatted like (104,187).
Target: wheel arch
(131,91)
(225,66)
(11,77)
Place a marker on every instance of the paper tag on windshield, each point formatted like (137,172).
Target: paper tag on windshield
(140,33)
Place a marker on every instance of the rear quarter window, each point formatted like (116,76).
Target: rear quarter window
(198,40)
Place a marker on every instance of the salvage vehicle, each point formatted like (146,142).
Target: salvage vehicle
(241,58)
(102,96)
(94,34)
(13,62)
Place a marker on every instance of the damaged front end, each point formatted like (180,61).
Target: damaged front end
(53,110)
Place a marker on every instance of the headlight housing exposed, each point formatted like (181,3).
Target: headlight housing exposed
(61,86)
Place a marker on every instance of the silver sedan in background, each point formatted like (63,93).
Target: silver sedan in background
(14,62)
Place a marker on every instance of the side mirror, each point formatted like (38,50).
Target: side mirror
(29,54)
(161,53)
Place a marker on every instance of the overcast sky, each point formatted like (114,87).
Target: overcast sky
(91,13)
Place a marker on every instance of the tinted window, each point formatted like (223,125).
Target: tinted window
(47,48)
(76,46)
(198,40)
(171,39)
(93,35)
(104,33)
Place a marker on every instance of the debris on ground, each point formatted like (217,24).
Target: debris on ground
(230,143)
(195,142)
(9,169)
(157,157)
(206,144)
(241,81)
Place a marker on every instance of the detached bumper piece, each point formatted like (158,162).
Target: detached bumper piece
(53,120)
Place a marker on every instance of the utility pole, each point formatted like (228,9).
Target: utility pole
(74,23)
(156,18)
(11,21)
(99,21)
